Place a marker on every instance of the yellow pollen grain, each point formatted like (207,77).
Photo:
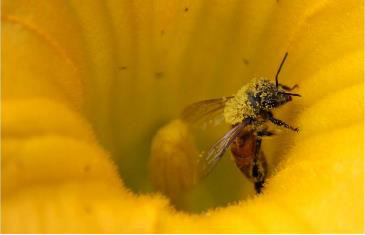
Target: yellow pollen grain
(238,108)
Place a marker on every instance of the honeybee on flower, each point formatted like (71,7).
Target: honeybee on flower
(248,112)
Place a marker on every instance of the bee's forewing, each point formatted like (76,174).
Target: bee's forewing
(210,159)
(206,112)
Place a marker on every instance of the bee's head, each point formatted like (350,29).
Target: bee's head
(265,95)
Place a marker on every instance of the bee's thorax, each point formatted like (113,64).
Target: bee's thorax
(252,99)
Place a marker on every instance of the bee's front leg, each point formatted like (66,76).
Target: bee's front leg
(264,133)
(278,122)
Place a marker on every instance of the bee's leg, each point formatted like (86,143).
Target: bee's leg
(287,88)
(259,167)
(258,186)
(279,122)
(264,133)
(258,147)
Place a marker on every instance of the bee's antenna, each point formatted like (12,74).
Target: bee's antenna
(277,73)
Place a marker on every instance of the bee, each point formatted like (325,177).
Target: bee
(248,113)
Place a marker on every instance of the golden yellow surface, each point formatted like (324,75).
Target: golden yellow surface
(237,108)
(173,161)
(86,85)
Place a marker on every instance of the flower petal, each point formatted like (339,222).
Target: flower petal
(111,66)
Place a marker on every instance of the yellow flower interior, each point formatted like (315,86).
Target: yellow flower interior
(86,86)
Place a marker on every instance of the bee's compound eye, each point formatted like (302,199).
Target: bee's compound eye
(269,103)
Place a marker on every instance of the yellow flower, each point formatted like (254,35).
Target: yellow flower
(87,85)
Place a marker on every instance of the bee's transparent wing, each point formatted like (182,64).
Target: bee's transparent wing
(210,158)
(206,112)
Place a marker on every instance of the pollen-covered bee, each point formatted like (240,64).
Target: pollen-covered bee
(247,112)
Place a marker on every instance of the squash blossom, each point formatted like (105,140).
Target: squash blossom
(91,96)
